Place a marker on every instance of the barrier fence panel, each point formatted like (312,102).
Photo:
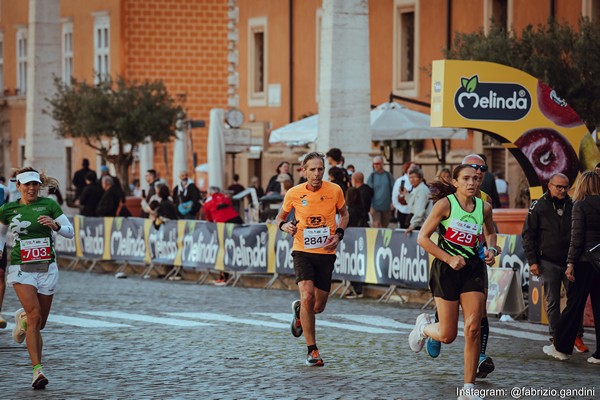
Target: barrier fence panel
(375,256)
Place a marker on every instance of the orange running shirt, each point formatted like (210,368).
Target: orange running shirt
(314,210)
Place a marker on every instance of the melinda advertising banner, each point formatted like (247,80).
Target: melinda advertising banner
(533,122)
(200,244)
(64,246)
(90,240)
(396,259)
(245,247)
(162,242)
(127,240)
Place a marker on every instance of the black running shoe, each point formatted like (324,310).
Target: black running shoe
(296,324)
(485,367)
(314,359)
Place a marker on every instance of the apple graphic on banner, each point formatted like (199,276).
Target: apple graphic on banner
(555,108)
(589,155)
(549,153)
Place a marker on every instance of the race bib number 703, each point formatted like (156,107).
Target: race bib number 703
(35,250)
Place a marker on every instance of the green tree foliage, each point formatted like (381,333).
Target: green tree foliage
(568,60)
(114,115)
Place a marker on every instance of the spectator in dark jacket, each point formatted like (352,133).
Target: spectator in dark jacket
(110,200)
(338,176)
(90,196)
(186,197)
(366,192)
(235,187)
(546,237)
(116,182)
(582,270)
(79,177)
(274,185)
(164,209)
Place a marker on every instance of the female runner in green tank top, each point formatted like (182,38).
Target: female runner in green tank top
(32,271)
(457,274)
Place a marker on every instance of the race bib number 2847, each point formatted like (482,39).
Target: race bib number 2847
(315,238)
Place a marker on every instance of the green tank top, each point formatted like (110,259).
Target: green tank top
(33,242)
(460,233)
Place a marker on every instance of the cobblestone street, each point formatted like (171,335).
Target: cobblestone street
(134,338)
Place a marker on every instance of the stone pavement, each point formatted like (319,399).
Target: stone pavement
(139,339)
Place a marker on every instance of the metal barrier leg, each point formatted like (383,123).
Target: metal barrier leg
(202,278)
(428,303)
(148,270)
(174,271)
(91,267)
(338,287)
(234,278)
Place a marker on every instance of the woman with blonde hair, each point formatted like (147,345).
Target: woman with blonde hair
(582,270)
(32,271)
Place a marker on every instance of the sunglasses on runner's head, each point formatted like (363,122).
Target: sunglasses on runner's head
(483,168)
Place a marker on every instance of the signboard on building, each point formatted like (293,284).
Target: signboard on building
(237,140)
(529,118)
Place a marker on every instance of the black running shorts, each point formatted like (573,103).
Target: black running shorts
(4,259)
(314,267)
(448,283)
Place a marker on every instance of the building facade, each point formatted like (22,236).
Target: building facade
(261,56)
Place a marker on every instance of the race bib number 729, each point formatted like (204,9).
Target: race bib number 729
(462,233)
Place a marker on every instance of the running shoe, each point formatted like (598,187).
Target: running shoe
(2,322)
(579,346)
(296,324)
(18,332)
(485,366)
(552,352)
(39,379)
(355,296)
(433,347)
(594,359)
(416,339)
(314,359)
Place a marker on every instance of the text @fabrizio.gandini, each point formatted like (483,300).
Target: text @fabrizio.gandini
(523,392)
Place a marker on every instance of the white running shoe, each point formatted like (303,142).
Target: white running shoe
(416,339)
(552,352)
(39,379)
(18,332)
(593,360)
(2,322)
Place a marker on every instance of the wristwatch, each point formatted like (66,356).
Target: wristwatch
(570,265)
(57,229)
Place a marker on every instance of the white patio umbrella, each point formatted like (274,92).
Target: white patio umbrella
(393,121)
(297,133)
(389,121)
(179,153)
(216,149)
(146,154)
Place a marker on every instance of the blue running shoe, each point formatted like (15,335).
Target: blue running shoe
(433,347)
(485,366)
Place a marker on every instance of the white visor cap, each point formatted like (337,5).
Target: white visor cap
(29,176)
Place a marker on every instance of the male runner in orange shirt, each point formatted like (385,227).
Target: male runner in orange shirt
(316,236)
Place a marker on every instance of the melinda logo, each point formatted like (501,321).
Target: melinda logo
(491,101)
